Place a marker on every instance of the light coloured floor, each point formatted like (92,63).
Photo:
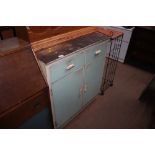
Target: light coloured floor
(119,107)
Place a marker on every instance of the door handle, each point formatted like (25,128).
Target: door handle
(97,52)
(81,91)
(85,88)
(70,66)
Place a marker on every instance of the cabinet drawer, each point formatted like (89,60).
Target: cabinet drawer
(95,52)
(65,66)
(17,115)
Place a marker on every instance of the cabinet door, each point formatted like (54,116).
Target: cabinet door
(67,97)
(66,65)
(93,75)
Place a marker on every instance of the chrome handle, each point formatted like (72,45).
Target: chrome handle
(83,89)
(97,52)
(70,66)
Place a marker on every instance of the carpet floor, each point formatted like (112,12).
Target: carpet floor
(119,107)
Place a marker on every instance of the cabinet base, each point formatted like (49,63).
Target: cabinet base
(73,117)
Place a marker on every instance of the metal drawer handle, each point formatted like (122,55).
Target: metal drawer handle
(70,66)
(97,52)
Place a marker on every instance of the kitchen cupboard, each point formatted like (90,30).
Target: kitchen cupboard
(74,80)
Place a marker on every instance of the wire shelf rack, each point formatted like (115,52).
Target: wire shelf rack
(111,61)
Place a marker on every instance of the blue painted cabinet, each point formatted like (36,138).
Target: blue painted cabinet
(67,96)
(74,80)
(95,59)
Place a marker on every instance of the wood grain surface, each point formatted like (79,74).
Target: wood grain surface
(111,33)
(16,115)
(61,37)
(20,77)
(45,37)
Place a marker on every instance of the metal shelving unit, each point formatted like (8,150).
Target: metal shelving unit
(111,63)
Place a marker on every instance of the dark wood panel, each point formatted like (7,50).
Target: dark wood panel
(28,108)
(20,77)
(45,36)
(57,39)
(21,32)
(37,33)
(7,32)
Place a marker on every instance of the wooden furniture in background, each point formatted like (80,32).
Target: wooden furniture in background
(37,33)
(46,36)
(41,37)
(23,90)
(7,32)
(55,35)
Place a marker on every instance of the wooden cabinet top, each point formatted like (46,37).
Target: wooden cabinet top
(37,33)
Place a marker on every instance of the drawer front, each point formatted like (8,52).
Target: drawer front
(95,52)
(23,112)
(65,66)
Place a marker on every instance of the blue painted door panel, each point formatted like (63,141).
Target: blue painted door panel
(67,96)
(93,73)
(60,68)
(73,88)
(42,120)
(94,52)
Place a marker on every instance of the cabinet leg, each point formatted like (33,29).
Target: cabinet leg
(111,85)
